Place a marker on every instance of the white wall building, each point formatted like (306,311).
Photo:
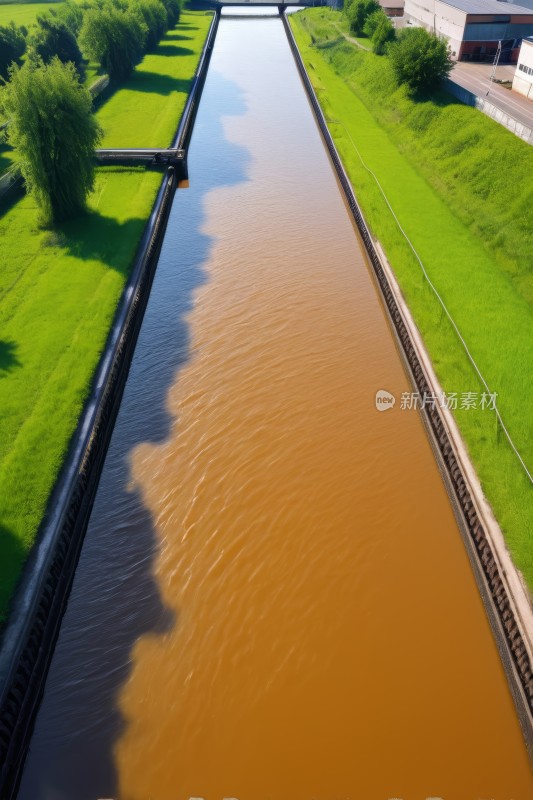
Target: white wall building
(473,28)
(523,79)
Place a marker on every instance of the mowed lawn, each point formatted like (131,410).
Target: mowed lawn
(23,13)
(462,199)
(26,14)
(142,112)
(58,295)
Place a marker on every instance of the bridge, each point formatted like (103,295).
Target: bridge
(155,158)
(283,5)
(219,4)
(147,157)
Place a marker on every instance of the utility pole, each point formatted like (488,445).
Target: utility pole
(495,63)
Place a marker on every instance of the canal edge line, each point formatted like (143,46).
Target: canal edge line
(503,594)
(518,593)
(517,596)
(29,638)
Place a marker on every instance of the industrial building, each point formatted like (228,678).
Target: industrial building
(523,79)
(474,28)
(393,8)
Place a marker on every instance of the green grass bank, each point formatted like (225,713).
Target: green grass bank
(59,291)
(462,188)
(144,110)
(23,13)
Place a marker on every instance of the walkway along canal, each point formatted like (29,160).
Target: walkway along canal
(273,598)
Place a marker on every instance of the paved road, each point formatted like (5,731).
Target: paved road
(475,78)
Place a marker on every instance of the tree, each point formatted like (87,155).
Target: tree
(174,9)
(54,132)
(372,22)
(420,59)
(53,38)
(358,13)
(71,14)
(383,35)
(114,37)
(153,14)
(12,46)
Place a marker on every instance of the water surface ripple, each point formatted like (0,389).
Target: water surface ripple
(273,601)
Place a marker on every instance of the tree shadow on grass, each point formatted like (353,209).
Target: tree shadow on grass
(170,49)
(146,82)
(6,159)
(442,98)
(436,97)
(7,201)
(154,83)
(94,236)
(12,556)
(8,357)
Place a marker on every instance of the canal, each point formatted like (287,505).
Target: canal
(273,600)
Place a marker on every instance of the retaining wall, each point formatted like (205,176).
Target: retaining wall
(29,639)
(500,605)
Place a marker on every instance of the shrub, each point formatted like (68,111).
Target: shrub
(358,13)
(54,131)
(12,46)
(53,38)
(372,22)
(153,14)
(174,9)
(114,37)
(420,59)
(71,14)
(383,35)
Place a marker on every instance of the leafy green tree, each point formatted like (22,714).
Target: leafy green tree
(71,14)
(153,14)
(53,38)
(54,133)
(372,22)
(174,9)
(12,46)
(420,59)
(114,37)
(383,35)
(358,13)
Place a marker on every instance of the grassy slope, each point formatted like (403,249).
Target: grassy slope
(461,186)
(58,294)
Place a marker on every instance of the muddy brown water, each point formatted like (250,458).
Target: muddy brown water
(273,600)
